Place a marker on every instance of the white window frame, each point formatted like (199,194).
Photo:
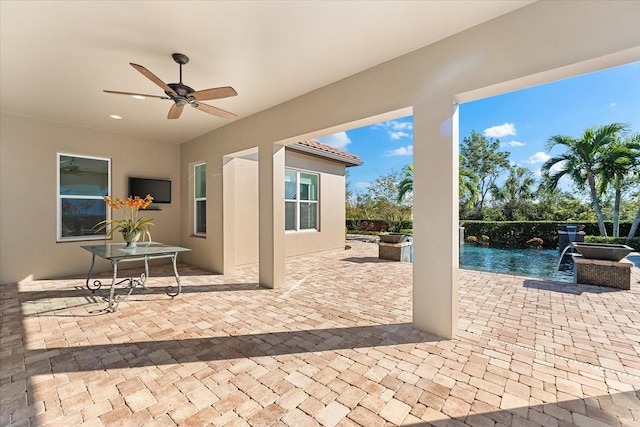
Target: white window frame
(198,199)
(60,198)
(297,201)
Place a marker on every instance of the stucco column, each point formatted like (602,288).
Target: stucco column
(271,213)
(228,215)
(435,218)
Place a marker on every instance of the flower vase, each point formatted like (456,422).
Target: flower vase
(131,238)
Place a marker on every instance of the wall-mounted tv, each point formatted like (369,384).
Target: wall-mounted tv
(160,189)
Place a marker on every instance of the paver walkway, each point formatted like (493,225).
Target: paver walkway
(333,347)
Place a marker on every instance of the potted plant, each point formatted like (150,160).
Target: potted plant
(132,226)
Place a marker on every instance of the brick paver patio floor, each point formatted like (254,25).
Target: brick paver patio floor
(333,347)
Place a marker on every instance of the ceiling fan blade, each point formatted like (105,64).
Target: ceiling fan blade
(175,111)
(213,110)
(214,93)
(135,94)
(148,74)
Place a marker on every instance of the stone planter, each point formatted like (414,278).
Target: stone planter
(393,238)
(609,252)
(395,247)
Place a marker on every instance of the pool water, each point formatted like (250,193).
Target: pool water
(538,263)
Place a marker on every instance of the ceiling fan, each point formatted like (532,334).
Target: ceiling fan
(182,94)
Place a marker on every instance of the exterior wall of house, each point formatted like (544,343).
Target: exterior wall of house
(28,169)
(541,42)
(331,215)
(243,185)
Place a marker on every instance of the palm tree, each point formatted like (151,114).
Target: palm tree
(515,192)
(406,185)
(619,162)
(582,159)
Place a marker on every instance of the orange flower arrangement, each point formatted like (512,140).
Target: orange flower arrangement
(132,226)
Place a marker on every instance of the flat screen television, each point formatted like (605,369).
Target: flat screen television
(160,189)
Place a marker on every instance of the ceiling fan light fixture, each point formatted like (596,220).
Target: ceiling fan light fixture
(116,117)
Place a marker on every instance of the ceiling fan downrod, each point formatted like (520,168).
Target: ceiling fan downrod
(181,59)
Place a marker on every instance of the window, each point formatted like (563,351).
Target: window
(82,182)
(301,201)
(200,199)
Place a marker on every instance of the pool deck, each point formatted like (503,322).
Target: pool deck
(334,347)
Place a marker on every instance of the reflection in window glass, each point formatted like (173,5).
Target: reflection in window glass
(308,186)
(80,215)
(201,217)
(80,176)
(290,215)
(82,182)
(290,185)
(201,180)
(308,215)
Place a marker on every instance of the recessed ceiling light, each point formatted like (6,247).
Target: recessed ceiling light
(115,116)
(138,96)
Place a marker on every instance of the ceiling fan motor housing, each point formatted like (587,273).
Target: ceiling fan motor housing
(179,88)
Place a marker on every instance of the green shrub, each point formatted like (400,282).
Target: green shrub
(536,242)
(517,233)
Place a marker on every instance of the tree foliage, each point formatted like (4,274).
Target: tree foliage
(603,165)
(582,161)
(483,158)
(382,201)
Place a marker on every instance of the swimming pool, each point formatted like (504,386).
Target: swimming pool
(539,263)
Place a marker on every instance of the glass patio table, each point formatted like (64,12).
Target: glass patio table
(117,253)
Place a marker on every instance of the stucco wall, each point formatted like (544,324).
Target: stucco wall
(245,194)
(331,215)
(243,184)
(28,147)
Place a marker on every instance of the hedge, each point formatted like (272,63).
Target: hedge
(505,233)
(517,233)
(371,225)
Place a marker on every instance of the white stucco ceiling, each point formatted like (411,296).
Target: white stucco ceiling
(56,57)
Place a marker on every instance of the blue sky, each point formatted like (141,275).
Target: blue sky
(523,121)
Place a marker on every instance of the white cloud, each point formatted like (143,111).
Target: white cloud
(401,125)
(538,173)
(612,104)
(539,157)
(500,131)
(402,151)
(339,140)
(362,184)
(396,129)
(512,144)
(398,135)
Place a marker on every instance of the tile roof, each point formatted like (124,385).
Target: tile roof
(315,147)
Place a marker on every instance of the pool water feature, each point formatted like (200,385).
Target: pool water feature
(538,263)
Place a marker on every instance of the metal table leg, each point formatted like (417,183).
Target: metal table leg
(170,291)
(96,283)
(114,300)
